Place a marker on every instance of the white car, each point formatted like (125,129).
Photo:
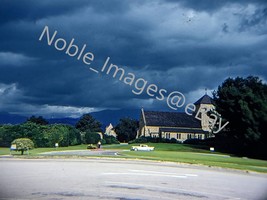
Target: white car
(142,147)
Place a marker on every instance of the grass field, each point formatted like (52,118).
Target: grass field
(194,155)
(168,152)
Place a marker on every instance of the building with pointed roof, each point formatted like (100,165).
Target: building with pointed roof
(110,131)
(177,125)
(203,105)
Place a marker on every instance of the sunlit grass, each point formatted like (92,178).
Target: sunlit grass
(193,155)
(208,159)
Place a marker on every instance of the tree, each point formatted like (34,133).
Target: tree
(127,129)
(74,136)
(243,102)
(6,135)
(88,123)
(92,138)
(37,120)
(23,144)
(41,135)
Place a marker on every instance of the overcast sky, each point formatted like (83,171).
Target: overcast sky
(184,46)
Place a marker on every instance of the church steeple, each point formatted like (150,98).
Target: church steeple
(203,105)
(205,99)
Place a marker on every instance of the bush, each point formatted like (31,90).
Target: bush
(109,139)
(153,140)
(149,139)
(23,144)
(103,141)
(193,141)
(114,140)
(173,140)
(139,140)
(91,146)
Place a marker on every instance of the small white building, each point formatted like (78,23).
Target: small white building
(110,131)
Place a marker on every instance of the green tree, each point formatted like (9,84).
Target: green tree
(23,144)
(243,102)
(74,136)
(37,120)
(6,135)
(127,129)
(42,135)
(56,133)
(92,138)
(88,123)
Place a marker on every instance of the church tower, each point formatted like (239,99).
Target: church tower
(204,105)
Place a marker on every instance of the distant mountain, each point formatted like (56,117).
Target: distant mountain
(6,118)
(104,116)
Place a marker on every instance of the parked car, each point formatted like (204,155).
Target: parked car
(142,147)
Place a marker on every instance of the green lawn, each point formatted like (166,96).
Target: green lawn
(203,159)
(193,155)
(168,152)
(162,147)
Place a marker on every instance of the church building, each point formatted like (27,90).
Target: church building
(177,125)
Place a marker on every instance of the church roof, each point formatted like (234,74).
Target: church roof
(206,99)
(171,119)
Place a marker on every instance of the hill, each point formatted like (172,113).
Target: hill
(104,116)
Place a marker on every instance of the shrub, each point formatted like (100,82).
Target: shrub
(91,146)
(139,140)
(103,141)
(173,140)
(23,144)
(193,141)
(114,140)
(153,140)
(110,139)
(149,139)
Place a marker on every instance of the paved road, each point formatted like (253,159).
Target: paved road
(96,152)
(124,180)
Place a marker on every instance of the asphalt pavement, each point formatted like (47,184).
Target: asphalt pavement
(96,152)
(96,178)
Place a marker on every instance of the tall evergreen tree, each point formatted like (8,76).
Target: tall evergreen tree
(243,102)
(126,129)
(88,124)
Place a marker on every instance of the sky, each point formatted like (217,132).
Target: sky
(176,45)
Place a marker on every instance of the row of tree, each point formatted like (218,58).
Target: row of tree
(41,135)
(86,131)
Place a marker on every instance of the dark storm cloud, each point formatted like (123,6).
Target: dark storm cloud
(178,45)
(32,10)
(257,19)
(213,5)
